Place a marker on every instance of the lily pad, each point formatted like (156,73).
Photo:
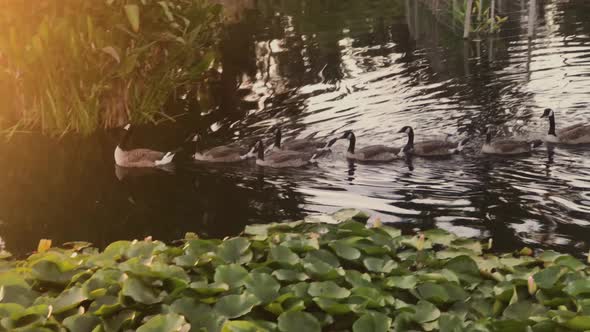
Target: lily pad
(168,322)
(283,255)
(383,265)
(235,250)
(297,321)
(426,312)
(328,289)
(233,306)
(69,299)
(263,286)
(140,292)
(372,322)
(233,275)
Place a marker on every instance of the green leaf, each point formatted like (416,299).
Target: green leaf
(331,306)
(81,323)
(263,286)
(548,277)
(247,326)
(235,250)
(439,236)
(433,292)
(283,255)
(345,251)
(69,299)
(577,287)
(297,321)
(401,282)
(132,12)
(382,265)
(290,275)
(199,315)
(233,306)
(524,310)
(233,275)
(139,292)
(578,323)
(450,323)
(465,268)
(372,322)
(328,289)
(426,312)
(160,323)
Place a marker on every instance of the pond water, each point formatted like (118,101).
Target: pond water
(326,66)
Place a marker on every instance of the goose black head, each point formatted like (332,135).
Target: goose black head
(547,113)
(347,134)
(406,130)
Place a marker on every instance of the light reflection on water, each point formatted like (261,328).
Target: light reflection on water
(327,67)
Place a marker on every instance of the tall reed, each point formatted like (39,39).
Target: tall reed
(76,65)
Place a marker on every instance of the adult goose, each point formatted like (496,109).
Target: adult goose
(507,146)
(430,148)
(281,158)
(377,153)
(126,157)
(578,133)
(307,144)
(221,154)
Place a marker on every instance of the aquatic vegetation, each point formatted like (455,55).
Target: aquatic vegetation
(483,20)
(297,276)
(77,65)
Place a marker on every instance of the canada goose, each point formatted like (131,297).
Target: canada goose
(281,158)
(578,133)
(221,154)
(139,157)
(367,153)
(307,144)
(507,146)
(430,148)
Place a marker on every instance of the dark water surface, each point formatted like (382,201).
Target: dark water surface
(371,66)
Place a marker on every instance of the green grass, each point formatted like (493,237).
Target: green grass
(79,65)
(297,276)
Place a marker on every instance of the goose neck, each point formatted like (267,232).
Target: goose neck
(552,125)
(124,141)
(260,152)
(410,143)
(352,143)
(278,138)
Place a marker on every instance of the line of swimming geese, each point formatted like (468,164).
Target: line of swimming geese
(301,152)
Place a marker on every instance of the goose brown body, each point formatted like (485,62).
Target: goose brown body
(282,159)
(308,144)
(221,154)
(376,153)
(578,133)
(430,148)
(126,157)
(508,146)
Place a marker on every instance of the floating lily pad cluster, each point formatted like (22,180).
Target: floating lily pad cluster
(297,276)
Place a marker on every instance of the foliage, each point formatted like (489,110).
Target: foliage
(483,23)
(78,64)
(297,276)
